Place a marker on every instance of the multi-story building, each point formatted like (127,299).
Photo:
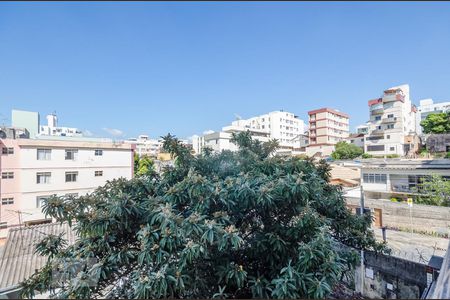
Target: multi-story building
(219,141)
(34,169)
(327,127)
(427,107)
(392,123)
(146,145)
(383,179)
(356,139)
(283,126)
(53,129)
(362,129)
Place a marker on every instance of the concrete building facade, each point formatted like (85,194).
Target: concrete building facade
(327,127)
(283,126)
(383,179)
(392,124)
(34,169)
(427,107)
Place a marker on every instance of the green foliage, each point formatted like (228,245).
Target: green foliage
(447,155)
(223,225)
(344,150)
(143,165)
(436,123)
(434,190)
(366,155)
(392,156)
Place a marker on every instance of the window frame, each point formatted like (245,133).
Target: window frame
(46,151)
(7,175)
(44,175)
(71,173)
(96,151)
(7,201)
(74,154)
(96,173)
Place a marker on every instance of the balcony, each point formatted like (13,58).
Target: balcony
(389,120)
(376,109)
(377,132)
(393,97)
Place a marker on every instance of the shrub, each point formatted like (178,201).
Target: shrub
(366,155)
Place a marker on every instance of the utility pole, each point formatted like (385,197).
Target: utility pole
(362,251)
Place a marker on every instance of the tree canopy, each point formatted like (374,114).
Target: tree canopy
(344,150)
(436,123)
(434,190)
(143,165)
(218,225)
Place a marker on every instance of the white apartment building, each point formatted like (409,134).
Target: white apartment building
(52,128)
(392,123)
(383,179)
(220,141)
(146,146)
(283,126)
(427,107)
(363,129)
(34,169)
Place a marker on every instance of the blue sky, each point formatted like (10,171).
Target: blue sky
(148,67)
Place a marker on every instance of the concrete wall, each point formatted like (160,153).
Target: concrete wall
(390,277)
(424,217)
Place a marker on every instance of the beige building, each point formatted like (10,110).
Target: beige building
(327,127)
(34,169)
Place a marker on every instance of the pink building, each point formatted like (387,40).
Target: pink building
(34,169)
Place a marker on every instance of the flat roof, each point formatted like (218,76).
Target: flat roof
(326,109)
(407,164)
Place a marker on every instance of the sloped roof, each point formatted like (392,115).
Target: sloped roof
(18,260)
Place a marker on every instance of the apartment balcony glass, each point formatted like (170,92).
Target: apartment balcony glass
(393,97)
(376,108)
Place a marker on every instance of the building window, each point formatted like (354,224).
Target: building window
(7,151)
(40,200)
(44,154)
(71,154)
(71,176)
(375,148)
(390,126)
(3,225)
(7,175)
(392,148)
(43,177)
(388,136)
(377,118)
(7,201)
(375,178)
(390,116)
(98,152)
(98,173)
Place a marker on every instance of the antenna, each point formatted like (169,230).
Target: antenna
(19,214)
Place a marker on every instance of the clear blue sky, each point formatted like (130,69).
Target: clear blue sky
(188,67)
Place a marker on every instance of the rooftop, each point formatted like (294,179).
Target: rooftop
(407,163)
(18,260)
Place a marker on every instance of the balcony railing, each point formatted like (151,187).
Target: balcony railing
(389,120)
(377,132)
(393,97)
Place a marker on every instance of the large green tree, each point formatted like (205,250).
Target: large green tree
(232,224)
(434,190)
(436,123)
(143,165)
(344,150)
